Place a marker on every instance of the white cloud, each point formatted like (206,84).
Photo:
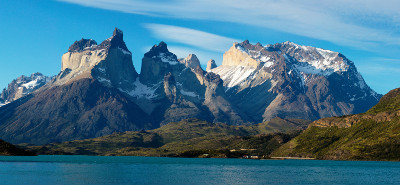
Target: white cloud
(200,39)
(203,56)
(358,23)
(380,66)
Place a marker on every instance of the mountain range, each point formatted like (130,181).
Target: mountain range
(99,92)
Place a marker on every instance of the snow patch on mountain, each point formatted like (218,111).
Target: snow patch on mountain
(310,69)
(361,82)
(323,60)
(268,64)
(255,54)
(102,70)
(187,93)
(33,82)
(142,91)
(36,82)
(166,58)
(233,75)
(125,51)
(104,81)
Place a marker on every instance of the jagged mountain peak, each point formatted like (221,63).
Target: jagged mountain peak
(211,65)
(117,32)
(192,57)
(246,45)
(190,61)
(156,49)
(156,63)
(115,41)
(81,45)
(161,53)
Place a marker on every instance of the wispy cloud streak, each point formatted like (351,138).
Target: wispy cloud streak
(359,23)
(196,38)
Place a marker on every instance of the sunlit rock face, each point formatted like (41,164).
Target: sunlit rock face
(109,62)
(211,65)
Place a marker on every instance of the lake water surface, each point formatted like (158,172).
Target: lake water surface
(155,170)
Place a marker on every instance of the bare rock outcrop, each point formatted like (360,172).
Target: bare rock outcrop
(211,65)
(190,61)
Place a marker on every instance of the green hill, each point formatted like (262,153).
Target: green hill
(11,150)
(374,135)
(189,138)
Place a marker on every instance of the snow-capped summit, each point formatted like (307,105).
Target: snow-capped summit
(314,60)
(23,86)
(290,80)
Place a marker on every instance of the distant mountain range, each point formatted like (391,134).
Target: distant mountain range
(98,91)
(22,86)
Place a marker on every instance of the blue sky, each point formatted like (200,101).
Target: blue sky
(35,34)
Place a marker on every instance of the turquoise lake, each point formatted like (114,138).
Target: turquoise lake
(156,170)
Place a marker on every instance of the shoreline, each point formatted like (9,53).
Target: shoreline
(293,158)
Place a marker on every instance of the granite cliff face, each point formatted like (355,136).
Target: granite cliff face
(110,62)
(98,91)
